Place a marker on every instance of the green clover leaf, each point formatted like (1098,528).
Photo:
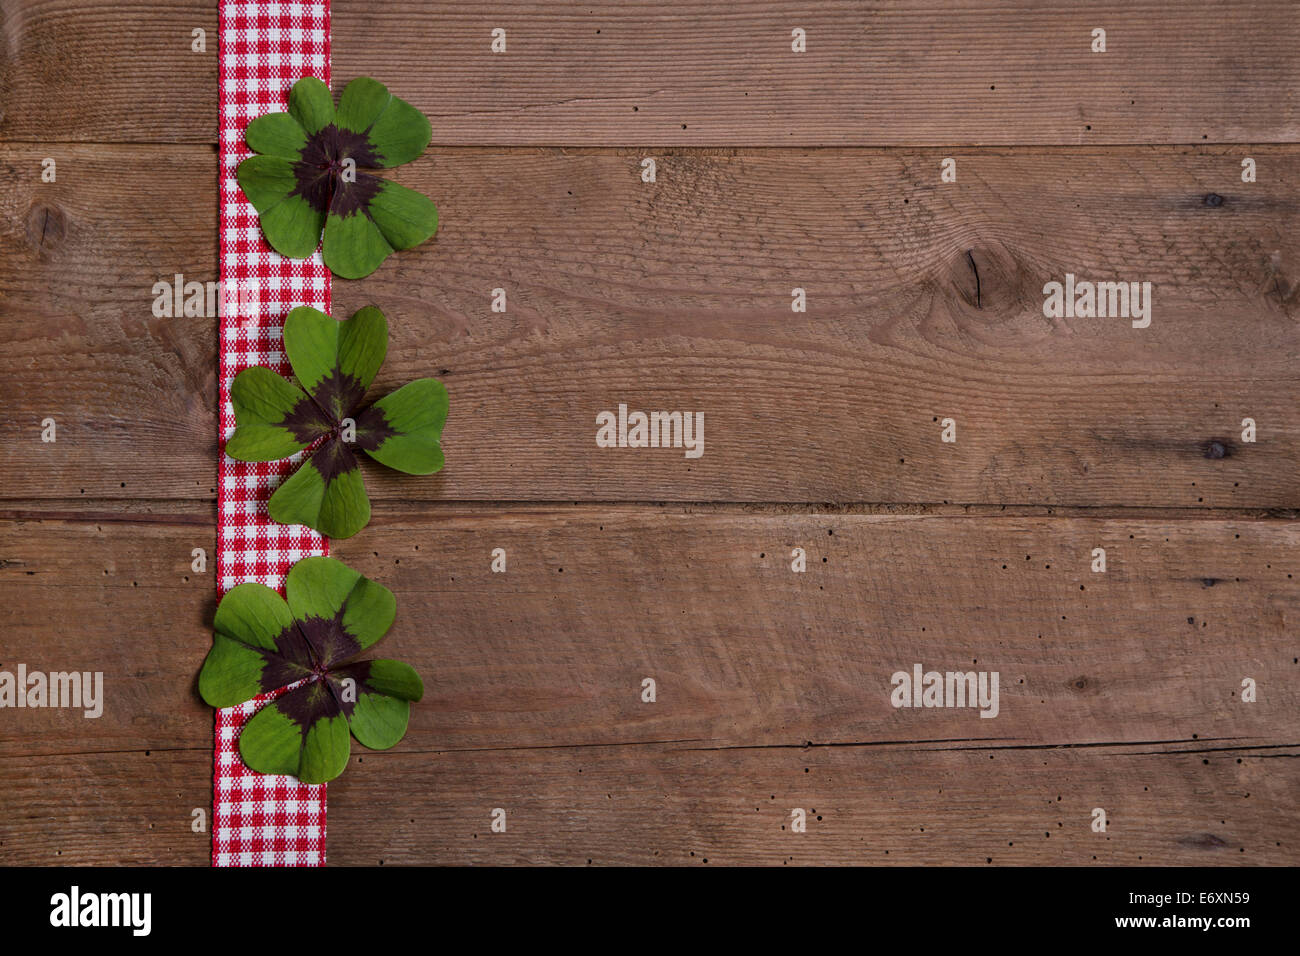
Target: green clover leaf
(264,643)
(334,363)
(307,177)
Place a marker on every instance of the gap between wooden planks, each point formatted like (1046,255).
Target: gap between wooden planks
(676,296)
(698,72)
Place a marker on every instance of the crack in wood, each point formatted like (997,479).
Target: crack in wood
(910,745)
(970,257)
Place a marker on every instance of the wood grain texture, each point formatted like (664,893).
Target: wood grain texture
(666,805)
(699,72)
(78,260)
(925,302)
(745,653)
(107,71)
(108,809)
(110,591)
(704,72)
(775,170)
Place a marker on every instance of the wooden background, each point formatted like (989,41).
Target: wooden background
(775,170)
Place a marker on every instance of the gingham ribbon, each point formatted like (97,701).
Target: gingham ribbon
(260,820)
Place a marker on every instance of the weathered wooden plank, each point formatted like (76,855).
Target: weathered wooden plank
(924,302)
(78,261)
(109,809)
(650,805)
(744,652)
(667,805)
(699,72)
(108,71)
(116,594)
(705,72)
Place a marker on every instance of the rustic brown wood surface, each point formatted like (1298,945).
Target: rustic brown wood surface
(699,72)
(671,804)
(924,302)
(744,652)
(774,171)
(1111,683)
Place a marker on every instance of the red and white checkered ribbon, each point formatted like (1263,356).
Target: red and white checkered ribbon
(257,819)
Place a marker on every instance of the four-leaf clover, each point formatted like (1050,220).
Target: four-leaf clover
(264,643)
(334,363)
(307,177)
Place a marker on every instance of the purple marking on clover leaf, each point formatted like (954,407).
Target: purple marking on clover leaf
(308,179)
(324,414)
